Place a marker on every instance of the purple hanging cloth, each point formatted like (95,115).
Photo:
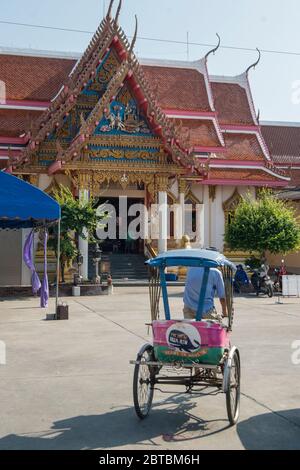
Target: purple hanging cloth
(45,284)
(28,260)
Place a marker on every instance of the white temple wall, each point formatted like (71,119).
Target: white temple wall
(13,271)
(212,216)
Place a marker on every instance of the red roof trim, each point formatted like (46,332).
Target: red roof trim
(4,152)
(238,162)
(14,140)
(239,182)
(234,127)
(36,104)
(210,150)
(187,113)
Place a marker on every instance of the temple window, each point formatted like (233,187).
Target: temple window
(191,203)
(229,206)
(171,202)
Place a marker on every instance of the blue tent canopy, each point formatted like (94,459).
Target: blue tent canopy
(23,205)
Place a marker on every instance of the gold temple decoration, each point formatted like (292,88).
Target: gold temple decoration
(182,186)
(80,180)
(229,206)
(162,183)
(190,196)
(34,179)
(127,154)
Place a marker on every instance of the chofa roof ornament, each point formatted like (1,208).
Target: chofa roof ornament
(214,50)
(108,15)
(255,63)
(134,37)
(118,11)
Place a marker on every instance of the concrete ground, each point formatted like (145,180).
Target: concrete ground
(68,384)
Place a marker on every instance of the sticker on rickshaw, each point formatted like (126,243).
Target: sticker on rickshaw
(183,337)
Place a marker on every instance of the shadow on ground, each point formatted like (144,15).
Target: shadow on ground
(172,424)
(269,431)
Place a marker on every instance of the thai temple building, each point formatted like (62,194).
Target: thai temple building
(167,132)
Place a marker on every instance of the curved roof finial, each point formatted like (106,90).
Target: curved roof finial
(134,37)
(255,63)
(258,116)
(108,15)
(214,50)
(118,11)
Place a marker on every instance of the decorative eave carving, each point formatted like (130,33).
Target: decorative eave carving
(231,204)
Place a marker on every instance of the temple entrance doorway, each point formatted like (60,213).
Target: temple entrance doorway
(123,242)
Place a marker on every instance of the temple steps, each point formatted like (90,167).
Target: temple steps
(127,267)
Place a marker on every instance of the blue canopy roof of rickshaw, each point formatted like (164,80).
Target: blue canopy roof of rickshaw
(23,205)
(191,257)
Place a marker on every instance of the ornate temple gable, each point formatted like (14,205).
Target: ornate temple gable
(123,117)
(124,134)
(130,77)
(128,71)
(123,110)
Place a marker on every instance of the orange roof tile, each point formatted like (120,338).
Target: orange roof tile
(33,78)
(243,147)
(231,103)
(13,122)
(283,142)
(177,88)
(242,174)
(202,133)
(295,178)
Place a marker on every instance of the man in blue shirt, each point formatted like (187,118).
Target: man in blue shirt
(240,279)
(215,284)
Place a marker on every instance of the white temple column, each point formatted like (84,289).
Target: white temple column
(182,190)
(217,218)
(205,217)
(83,244)
(201,225)
(163,214)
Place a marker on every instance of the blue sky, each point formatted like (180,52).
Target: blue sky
(267,24)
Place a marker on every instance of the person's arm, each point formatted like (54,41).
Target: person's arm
(224,307)
(221,292)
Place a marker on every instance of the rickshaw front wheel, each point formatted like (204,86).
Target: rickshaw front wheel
(143,382)
(233,387)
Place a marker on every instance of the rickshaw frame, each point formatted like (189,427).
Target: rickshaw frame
(207,375)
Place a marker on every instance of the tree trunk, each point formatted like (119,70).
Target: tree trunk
(263,257)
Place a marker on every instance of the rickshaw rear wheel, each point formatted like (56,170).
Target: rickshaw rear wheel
(143,382)
(233,391)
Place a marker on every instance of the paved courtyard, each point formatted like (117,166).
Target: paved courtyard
(68,384)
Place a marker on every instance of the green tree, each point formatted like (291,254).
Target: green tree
(79,217)
(264,224)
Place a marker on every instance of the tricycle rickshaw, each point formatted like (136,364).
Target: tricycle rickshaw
(197,353)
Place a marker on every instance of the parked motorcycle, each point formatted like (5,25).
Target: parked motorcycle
(262,282)
(277,281)
(279,272)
